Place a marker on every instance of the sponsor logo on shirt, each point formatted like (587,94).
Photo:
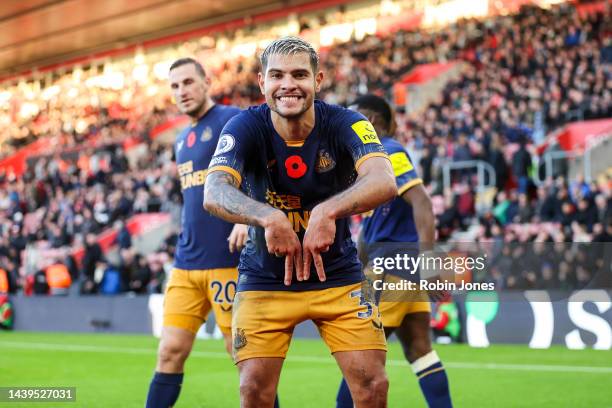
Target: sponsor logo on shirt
(218,161)
(400,162)
(365,131)
(190,178)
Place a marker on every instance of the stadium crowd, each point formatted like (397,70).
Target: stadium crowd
(525,73)
(64,203)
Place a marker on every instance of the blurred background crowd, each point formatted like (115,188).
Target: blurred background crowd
(524,76)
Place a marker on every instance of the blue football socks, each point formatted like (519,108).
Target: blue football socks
(433,380)
(164,390)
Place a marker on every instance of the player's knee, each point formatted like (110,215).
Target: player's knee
(173,353)
(380,385)
(372,390)
(254,393)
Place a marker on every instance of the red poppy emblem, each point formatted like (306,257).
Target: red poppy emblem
(191,139)
(295,166)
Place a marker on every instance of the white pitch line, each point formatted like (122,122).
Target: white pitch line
(305,359)
(530,367)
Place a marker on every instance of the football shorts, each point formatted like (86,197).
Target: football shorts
(191,294)
(263,321)
(395,305)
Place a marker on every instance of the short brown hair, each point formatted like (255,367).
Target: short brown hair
(184,61)
(290,46)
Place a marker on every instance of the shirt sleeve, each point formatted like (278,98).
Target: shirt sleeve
(234,143)
(357,134)
(406,175)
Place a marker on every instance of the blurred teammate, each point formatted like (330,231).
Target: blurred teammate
(305,166)
(408,218)
(204,274)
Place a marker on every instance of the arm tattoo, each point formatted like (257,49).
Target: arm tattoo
(351,194)
(366,193)
(226,201)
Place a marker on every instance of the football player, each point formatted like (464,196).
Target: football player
(295,168)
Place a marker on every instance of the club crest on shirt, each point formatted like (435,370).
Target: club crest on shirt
(324,162)
(206,135)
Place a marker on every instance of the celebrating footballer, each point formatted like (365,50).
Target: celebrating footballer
(294,169)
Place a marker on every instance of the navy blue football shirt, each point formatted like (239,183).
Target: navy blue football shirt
(294,177)
(202,242)
(394,220)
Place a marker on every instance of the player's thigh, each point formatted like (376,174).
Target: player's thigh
(263,323)
(185,303)
(221,289)
(347,319)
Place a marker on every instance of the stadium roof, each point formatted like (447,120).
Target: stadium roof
(38,33)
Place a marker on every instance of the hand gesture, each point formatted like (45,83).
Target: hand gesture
(319,236)
(281,240)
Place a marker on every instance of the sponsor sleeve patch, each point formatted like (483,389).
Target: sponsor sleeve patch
(225,144)
(218,161)
(365,131)
(401,164)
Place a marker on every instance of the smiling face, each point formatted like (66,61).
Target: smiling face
(289,84)
(190,89)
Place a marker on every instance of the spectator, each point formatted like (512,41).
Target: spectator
(603,209)
(496,158)
(140,276)
(92,260)
(521,162)
(124,238)
(524,210)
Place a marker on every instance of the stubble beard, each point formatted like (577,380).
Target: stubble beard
(195,112)
(292,116)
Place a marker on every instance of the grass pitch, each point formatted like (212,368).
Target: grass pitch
(111,370)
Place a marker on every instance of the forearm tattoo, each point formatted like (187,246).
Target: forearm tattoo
(348,202)
(226,201)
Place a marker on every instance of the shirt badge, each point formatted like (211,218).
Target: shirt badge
(324,162)
(191,138)
(206,135)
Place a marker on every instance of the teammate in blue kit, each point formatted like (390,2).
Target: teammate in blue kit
(295,169)
(407,219)
(204,274)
